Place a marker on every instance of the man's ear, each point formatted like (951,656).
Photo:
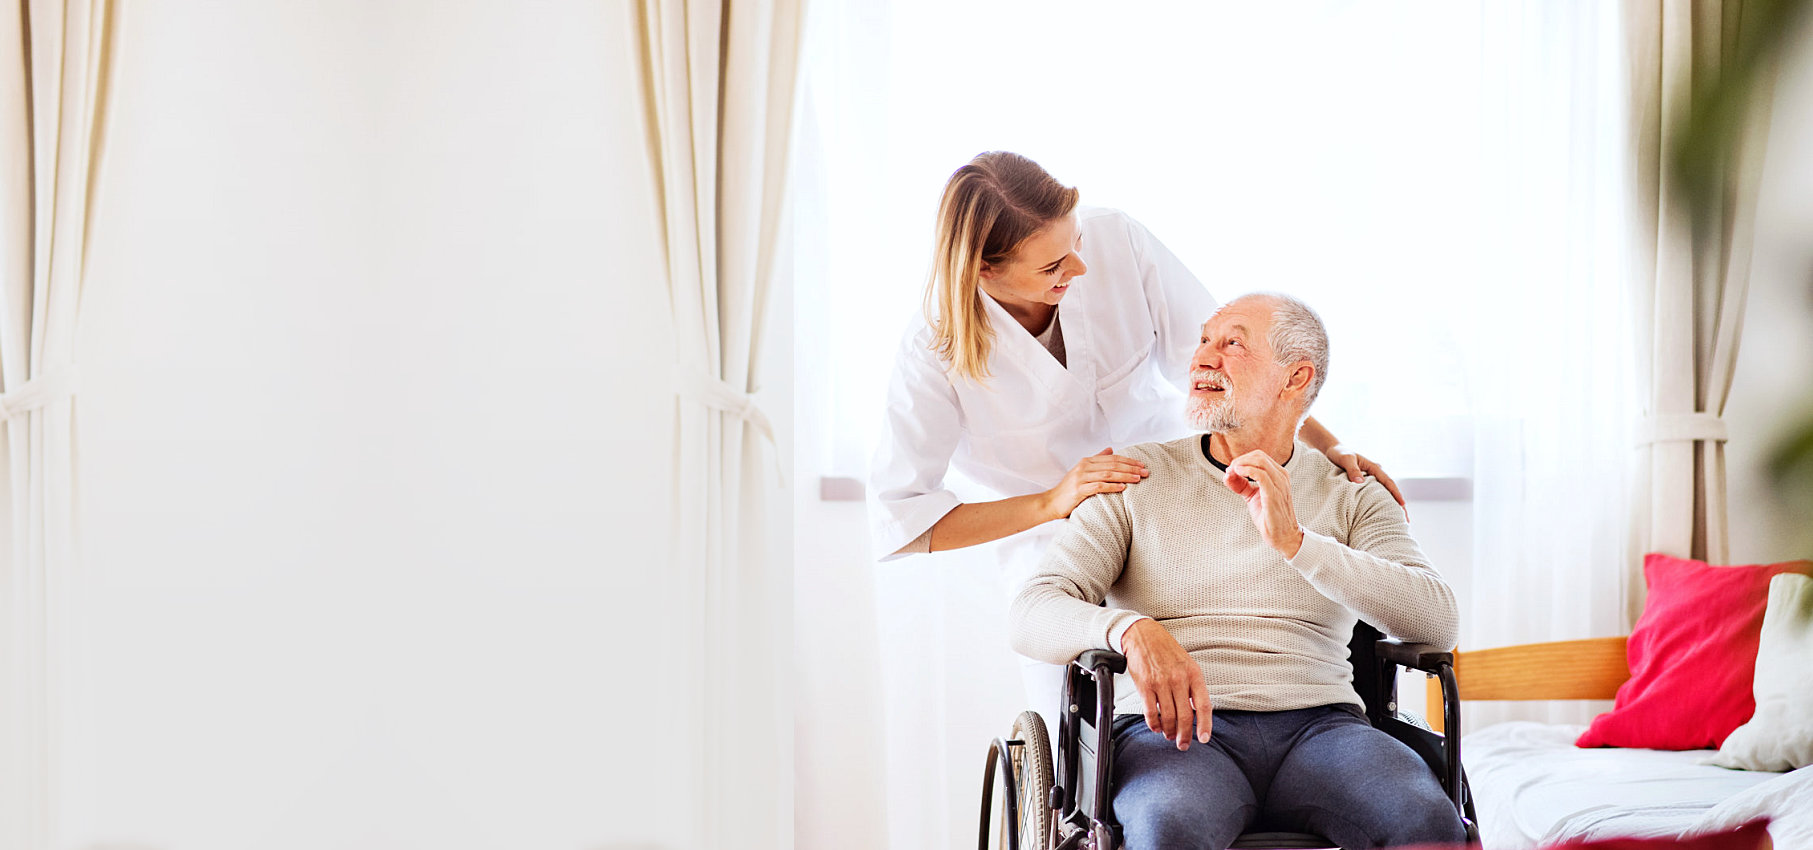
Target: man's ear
(1300,376)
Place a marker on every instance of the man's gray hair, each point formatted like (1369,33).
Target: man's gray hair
(1298,335)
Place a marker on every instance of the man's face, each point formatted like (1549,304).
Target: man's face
(1233,377)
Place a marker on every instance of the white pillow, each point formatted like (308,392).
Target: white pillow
(1779,736)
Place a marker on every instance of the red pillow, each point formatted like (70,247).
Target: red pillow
(1692,656)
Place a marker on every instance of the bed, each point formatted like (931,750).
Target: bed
(1533,787)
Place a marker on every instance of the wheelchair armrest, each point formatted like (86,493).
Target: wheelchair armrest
(1416,656)
(1091,659)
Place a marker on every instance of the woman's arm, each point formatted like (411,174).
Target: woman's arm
(973,523)
(980,522)
(1355,464)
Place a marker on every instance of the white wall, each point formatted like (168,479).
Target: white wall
(374,436)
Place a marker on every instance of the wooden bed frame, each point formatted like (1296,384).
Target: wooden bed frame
(1571,669)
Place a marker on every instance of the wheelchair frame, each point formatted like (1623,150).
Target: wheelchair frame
(1082,785)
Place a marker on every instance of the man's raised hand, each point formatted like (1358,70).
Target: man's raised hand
(1266,486)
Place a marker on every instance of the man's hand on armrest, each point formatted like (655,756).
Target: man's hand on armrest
(1169,681)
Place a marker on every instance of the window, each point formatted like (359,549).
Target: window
(1332,153)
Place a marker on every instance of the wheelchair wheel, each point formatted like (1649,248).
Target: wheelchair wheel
(1032,769)
(1021,764)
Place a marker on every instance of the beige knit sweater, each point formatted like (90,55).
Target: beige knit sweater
(1270,634)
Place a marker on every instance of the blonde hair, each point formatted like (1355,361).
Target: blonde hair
(990,206)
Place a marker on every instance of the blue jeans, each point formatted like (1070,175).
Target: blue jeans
(1321,770)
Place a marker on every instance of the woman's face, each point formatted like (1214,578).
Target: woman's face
(1039,272)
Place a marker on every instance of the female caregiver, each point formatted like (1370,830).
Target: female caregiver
(1000,384)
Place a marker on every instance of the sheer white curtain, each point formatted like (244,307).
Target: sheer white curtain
(720,86)
(1449,202)
(1550,349)
(53,105)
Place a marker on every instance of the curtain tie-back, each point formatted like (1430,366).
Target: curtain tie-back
(699,385)
(35,393)
(696,384)
(1681,428)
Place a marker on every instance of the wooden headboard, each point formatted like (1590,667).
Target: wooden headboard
(1570,669)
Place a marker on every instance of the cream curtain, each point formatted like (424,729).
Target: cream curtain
(1547,354)
(1692,270)
(53,100)
(720,80)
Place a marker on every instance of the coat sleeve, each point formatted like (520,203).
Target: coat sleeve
(920,430)
(1179,303)
(1383,576)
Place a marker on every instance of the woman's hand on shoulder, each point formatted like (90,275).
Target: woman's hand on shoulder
(1357,466)
(1102,472)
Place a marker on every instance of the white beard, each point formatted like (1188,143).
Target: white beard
(1213,415)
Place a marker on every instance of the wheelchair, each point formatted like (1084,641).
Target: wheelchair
(1066,805)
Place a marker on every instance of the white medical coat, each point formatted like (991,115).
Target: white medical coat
(1131,325)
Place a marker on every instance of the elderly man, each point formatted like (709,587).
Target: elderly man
(1232,579)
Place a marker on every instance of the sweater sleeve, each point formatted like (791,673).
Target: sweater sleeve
(1383,575)
(1057,614)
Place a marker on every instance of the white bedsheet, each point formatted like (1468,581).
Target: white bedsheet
(1532,787)
(1786,800)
